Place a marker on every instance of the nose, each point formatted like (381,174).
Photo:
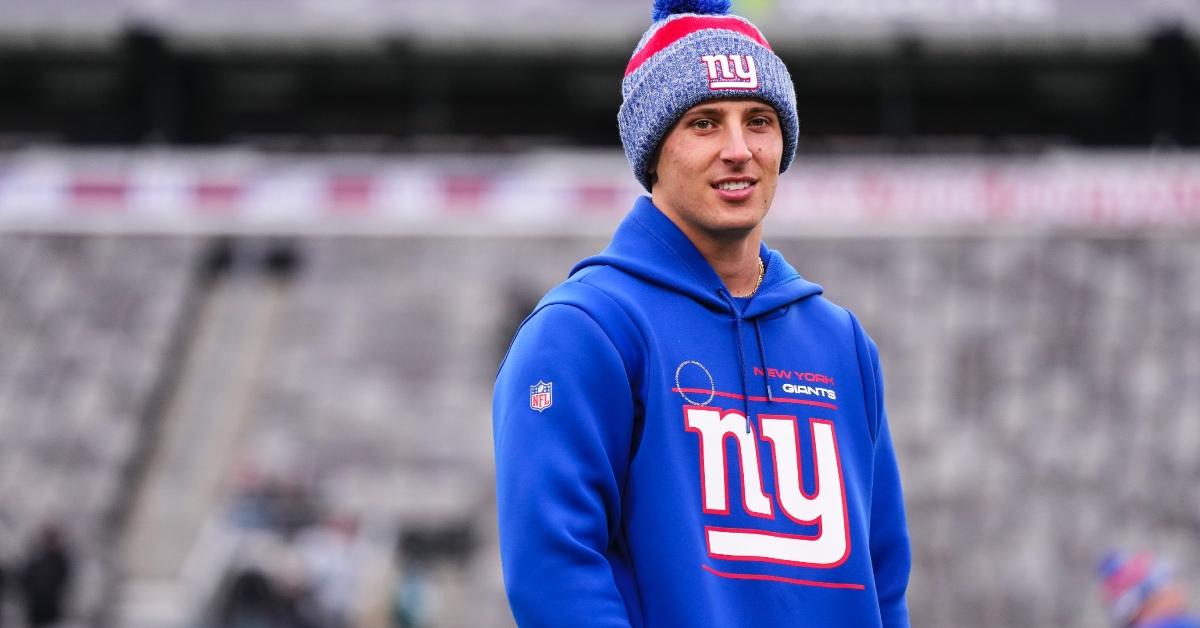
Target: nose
(735,150)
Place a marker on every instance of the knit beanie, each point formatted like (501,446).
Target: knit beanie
(1127,581)
(695,51)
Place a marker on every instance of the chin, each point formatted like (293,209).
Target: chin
(734,227)
(741,216)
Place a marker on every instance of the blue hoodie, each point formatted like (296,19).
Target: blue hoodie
(633,491)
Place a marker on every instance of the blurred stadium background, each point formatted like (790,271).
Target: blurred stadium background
(260,259)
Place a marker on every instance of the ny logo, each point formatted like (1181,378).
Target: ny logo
(737,72)
(825,507)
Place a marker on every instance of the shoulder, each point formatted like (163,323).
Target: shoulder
(849,330)
(835,318)
(579,315)
(590,289)
(589,293)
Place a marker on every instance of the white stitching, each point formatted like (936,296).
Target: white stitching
(711,384)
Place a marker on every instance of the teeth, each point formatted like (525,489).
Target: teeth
(733,185)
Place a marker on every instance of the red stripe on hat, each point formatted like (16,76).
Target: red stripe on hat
(675,30)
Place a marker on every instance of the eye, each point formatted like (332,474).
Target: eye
(760,121)
(703,124)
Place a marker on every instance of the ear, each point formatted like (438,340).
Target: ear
(652,169)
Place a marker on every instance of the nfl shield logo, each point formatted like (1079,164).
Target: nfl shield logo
(541,395)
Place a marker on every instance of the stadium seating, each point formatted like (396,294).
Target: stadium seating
(1039,396)
(1040,387)
(86,322)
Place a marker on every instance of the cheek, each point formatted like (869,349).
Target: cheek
(682,168)
(769,159)
(769,151)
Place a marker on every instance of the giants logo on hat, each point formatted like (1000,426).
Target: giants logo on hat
(737,71)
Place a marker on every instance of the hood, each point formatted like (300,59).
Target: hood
(649,246)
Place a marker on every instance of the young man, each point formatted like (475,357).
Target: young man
(686,432)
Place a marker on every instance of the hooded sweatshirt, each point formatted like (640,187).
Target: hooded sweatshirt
(670,456)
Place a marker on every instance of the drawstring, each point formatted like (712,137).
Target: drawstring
(745,382)
(737,319)
(762,355)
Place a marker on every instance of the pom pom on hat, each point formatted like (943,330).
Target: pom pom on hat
(666,8)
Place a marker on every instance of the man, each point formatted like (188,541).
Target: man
(3,584)
(1143,593)
(46,578)
(686,432)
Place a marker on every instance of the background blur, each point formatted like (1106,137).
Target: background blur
(259,260)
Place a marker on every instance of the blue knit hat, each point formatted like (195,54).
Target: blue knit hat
(695,51)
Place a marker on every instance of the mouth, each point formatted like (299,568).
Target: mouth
(735,188)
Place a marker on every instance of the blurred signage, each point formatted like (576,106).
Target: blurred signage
(570,192)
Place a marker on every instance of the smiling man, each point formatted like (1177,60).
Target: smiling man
(687,433)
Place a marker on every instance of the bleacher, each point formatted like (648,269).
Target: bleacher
(87,324)
(1039,392)
(1039,388)
(1037,385)
(380,386)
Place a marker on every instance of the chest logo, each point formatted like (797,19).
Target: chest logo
(541,395)
(731,71)
(825,507)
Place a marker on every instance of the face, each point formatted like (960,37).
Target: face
(717,168)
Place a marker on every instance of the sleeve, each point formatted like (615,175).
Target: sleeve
(560,469)
(891,557)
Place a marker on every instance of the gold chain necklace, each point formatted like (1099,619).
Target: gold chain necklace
(762,270)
